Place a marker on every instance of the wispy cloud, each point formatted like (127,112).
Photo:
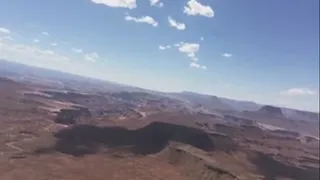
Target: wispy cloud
(175,24)
(196,65)
(6,38)
(91,56)
(298,92)
(36,40)
(190,49)
(48,52)
(76,50)
(4,30)
(54,44)
(49,58)
(156,3)
(202,38)
(161,47)
(130,4)
(227,55)
(195,8)
(17,52)
(143,19)
(178,44)
(45,33)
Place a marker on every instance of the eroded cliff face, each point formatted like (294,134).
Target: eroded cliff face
(251,165)
(71,116)
(271,110)
(272,168)
(194,163)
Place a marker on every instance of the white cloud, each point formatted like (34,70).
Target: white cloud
(195,8)
(298,92)
(45,33)
(196,65)
(54,44)
(192,57)
(36,40)
(4,30)
(6,38)
(227,55)
(202,38)
(46,58)
(189,48)
(76,50)
(130,4)
(161,47)
(143,19)
(175,24)
(156,3)
(91,56)
(25,53)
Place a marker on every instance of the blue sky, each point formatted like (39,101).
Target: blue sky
(264,51)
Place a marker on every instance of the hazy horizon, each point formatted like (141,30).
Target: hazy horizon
(107,80)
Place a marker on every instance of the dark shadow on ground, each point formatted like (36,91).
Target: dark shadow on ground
(87,139)
(270,168)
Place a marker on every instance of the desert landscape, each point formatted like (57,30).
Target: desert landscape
(58,126)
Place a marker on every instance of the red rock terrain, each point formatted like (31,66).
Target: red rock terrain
(62,137)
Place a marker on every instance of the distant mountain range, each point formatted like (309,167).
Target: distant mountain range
(228,105)
(205,103)
(208,101)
